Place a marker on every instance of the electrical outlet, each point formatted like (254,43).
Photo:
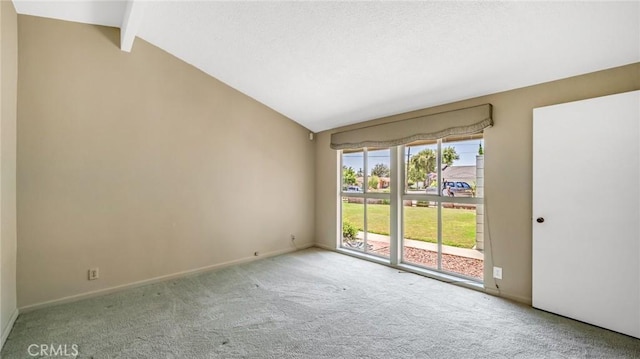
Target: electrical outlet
(497,272)
(94,273)
(293,237)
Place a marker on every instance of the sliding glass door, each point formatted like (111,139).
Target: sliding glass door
(439,204)
(442,199)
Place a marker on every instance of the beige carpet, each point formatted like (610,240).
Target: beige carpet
(310,304)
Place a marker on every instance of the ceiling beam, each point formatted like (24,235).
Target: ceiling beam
(130,23)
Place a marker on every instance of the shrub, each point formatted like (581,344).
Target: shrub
(373,182)
(349,231)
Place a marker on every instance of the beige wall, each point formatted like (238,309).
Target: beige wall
(141,165)
(8,93)
(508,166)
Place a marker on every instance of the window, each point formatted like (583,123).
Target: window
(365,201)
(439,205)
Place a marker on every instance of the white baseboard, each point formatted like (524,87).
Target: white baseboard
(324,246)
(516,298)
(163,278)
(7,328)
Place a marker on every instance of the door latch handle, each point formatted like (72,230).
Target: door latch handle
(540,220)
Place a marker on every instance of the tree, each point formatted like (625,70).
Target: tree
(380,170)
(421,164)
(348,175)
(360,173)
(480,150)
(373,182)
(424,162)
(449,155)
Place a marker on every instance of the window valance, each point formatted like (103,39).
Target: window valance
(465,121)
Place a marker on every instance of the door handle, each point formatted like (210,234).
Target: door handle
(540,220)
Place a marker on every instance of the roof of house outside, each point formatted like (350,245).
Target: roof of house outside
(459,173)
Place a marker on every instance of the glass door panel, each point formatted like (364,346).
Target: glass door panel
(353,172)
(462,170)
(459,230)
(378,232)
(420,165)
(420,234)
(379,172)
(353,223)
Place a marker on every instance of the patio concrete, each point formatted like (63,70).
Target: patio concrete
(462,252)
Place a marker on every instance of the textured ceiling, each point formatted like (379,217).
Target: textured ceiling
(106,13)
(328,64)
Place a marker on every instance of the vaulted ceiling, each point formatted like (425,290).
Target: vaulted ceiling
(328,64)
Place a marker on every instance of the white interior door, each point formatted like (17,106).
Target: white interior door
(586,179)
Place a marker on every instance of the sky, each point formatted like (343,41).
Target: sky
(466,149)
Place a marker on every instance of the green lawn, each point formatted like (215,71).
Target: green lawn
(420,223)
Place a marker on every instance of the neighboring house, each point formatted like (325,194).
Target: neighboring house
(460,174)
(383,182)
